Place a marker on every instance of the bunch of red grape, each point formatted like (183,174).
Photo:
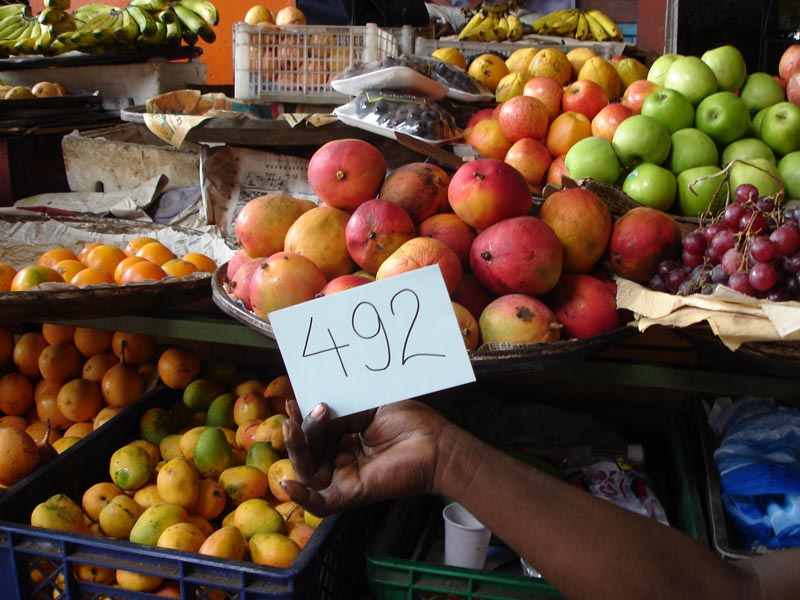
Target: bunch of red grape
(752,246)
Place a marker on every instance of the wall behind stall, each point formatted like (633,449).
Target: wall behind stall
(219,55)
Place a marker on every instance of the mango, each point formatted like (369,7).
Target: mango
(225,542)
(118,517)
(243,482)
(257,516)
(273,549)
(261,455)
(61,513)
(220,412)
(188,440)
(212,453)
(156,423)
(211,499)
(130,467)
(178,482)
(182,536)
(147,495)
(154,520)
(198,395)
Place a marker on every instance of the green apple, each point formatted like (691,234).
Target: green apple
(700,190)
(691,77)
(670,107)
(723,116)
(592,157)
(651,185)
(639,139)
(760,90)
(758,171)
(659,68)
(691,147)
(780,127)
(746,149)
(728,66)
(789,170)
(755,123)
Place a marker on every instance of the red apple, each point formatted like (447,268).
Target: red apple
(636,93)
(523,117)
(531,158)
(565,130)
(487,138)
(793,88)
(605,122)
(376,229)
(556,170)
(485,191)
(790,62)
(547,90)
(585,97)
(484,113)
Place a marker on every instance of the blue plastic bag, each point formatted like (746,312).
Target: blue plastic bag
(758,460)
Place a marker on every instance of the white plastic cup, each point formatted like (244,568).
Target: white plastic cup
(466,540)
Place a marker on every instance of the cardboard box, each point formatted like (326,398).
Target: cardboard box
(120,85)
(122,157)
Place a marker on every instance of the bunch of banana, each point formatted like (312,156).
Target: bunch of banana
(17,27)
(582,25)
(493,22)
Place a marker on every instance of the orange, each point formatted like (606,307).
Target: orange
(60,362)
(47,408)
(142,271)
(201,261)
(58,334)
(105,257)
(80,430)
(121,385)
(155,252)
(32,276)
(91,276)
(86,249)
(177,367)
(6,344)
(16,394)
(55,255)
(138,347)
(26,353)
(178,268)
(124,264)
(132,247)
(68,268)
(96,366)
(90,341)
(45,388)
(80,399)
(6,277)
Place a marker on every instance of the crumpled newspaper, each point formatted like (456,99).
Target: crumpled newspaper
(733,317)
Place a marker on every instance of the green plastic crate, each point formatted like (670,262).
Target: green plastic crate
(397,565)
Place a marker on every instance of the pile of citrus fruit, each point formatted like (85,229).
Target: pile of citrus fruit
(142,259)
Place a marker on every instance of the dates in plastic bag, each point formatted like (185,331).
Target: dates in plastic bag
(408,114)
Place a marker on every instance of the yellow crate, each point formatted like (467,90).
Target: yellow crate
(297,63)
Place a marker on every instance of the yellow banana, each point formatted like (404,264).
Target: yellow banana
(501,29)
(596,29)
(607,23)
(566,25)
(205,9)
(470,29)
(514,27)
(486,32)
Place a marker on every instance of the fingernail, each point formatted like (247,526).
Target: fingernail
(317,410)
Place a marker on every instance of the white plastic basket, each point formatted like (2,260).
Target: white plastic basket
(297,63)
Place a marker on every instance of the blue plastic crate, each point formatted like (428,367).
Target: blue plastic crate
(628,32)
(38,563)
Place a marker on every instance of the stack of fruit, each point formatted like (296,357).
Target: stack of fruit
(493,22)
(203,475)
(579,24)
(61,383)
(100,28)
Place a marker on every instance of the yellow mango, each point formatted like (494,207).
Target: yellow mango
(118,517)
(130,467)
(154,520)
(225,542)
(182,536)
(242,483)
(257,516)
(178,482)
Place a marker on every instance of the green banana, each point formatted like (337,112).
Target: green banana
(166,16)
(126,29)
(50,16)
(105,31)
(607,23)
(157,38)
(174,32)
(10,26)
(8,10)
(25,45)
(145,21)
(205,9)
(87,12)
(68,23)
(194,23)
(43,42)
(152,6)
(57,4)
(190,37)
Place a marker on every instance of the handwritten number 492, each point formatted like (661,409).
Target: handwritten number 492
(367,324)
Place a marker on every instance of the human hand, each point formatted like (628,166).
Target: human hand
(362,458)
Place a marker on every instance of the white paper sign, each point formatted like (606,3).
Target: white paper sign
(374,344)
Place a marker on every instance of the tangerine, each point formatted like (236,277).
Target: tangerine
(60,362)
(142,271)
(26,353)
(91,276)
(104,415)
(138,348)
(121,385)
(14,421)
(38,430)
(58,334)
(178,268)
(90,341)
(79,430)
(55,255)
(201,261)
(31,277)
(80,399)
(155,252)
(47,408)
(68,268)
(16,394)
(132,247)
(18,455)
(7,274)
(177,367)
(105,257)
(124,264)
(86,249)
(96,366)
